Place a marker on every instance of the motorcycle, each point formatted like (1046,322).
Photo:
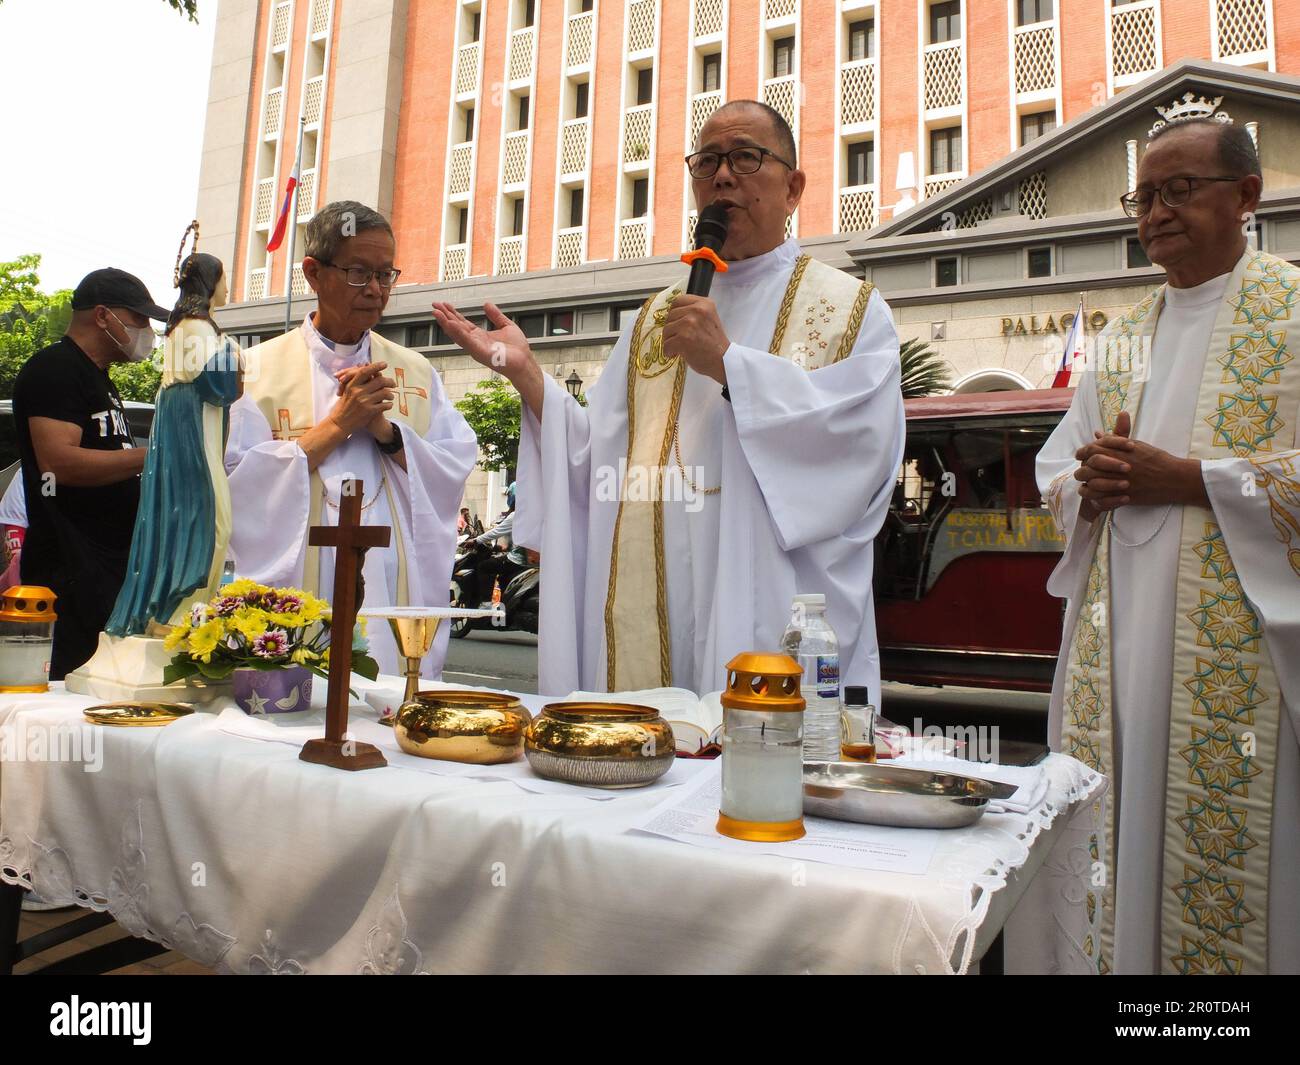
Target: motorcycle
(472,582)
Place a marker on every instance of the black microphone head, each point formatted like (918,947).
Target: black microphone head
(711,227)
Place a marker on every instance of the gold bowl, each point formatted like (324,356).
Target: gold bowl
(602,745)
(483,728)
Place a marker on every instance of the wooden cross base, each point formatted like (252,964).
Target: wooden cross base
(343,754)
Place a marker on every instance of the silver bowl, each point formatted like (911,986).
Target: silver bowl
(877,794)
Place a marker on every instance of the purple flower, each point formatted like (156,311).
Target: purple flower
(271,644)
(227,605)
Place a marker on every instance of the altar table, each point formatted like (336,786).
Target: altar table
(234,852)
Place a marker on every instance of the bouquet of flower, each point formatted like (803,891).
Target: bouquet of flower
(252,626)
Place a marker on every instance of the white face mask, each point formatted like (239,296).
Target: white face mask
(140,340)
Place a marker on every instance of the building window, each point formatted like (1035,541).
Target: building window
(575,208)
(532,325)
(585,5)
(640,197)
(476,21)
(945,272)
(945,22)
(945,150)
(782,57)
(1034,125)
(530,13)
(862,39)
(417,336)
(469,124)
(581,99)
(1030,11)
(621,318)
(711,73)
(1134,254)
(862,163)
(561,323)
(1040,262)
(523,113)
(462,224)
(517,217)
(645,85)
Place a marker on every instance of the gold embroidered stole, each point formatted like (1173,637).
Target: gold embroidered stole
(282,390)
(817,323)
(1224,714)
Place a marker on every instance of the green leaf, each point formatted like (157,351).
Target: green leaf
(364,665)
(179,669)
(924,371)
(492,409)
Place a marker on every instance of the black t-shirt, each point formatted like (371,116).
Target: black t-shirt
(70,528)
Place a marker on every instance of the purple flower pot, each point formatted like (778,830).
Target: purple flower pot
(273,691)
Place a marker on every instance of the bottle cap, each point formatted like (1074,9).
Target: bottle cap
(811,599)
(856,695)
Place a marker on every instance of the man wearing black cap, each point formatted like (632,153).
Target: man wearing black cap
(81,472)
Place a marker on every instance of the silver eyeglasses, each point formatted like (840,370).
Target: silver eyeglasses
(1173,193)
(359,276)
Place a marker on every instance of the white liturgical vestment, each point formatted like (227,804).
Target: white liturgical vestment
(272,489)
(805,461)
(1192,387)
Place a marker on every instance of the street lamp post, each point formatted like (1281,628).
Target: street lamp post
(574,384)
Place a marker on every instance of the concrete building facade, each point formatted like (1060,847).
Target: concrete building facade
(965,155)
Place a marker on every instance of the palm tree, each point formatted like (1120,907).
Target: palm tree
(924,371)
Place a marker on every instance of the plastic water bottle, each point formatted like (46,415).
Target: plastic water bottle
(228,572)
(810,641)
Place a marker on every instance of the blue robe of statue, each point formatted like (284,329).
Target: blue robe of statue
(175,528)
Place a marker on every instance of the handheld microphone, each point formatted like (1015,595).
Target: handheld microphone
(710,235)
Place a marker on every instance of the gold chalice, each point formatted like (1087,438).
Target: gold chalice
(415,628)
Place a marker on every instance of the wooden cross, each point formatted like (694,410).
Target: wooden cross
(402,389)
(350,539)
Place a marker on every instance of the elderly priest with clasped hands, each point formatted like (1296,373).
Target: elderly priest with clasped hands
(739,448)
(1175,477)
(332,400)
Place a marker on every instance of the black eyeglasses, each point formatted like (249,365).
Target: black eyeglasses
(740,160)
(1173,193)
(359,276)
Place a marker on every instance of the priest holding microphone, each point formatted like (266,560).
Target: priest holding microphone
(739,448)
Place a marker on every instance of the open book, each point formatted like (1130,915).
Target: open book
(696,721)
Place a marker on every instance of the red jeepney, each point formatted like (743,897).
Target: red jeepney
(963,559)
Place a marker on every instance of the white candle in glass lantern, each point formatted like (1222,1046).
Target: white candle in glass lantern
(762,767)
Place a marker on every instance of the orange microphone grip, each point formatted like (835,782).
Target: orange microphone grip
(712,256)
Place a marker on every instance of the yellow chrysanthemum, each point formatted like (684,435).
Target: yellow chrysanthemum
(204,639)
(176,637)
(312,609)
(304,657)
(249,622)
(244,587)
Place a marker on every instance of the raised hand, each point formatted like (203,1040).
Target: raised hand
(503,348)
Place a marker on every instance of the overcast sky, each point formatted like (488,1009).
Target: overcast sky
(105,102)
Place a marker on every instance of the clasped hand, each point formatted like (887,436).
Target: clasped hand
(364,395)
(1116,470)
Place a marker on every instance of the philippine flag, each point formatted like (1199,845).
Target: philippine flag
(1074,354)
(281,223)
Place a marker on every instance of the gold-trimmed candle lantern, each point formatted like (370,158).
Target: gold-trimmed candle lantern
(762,749)
(26,638)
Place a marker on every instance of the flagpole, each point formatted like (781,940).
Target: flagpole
(293,228)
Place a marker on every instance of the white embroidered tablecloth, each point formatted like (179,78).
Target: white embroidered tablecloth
(244,858)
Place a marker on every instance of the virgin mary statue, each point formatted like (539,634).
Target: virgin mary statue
(182,526)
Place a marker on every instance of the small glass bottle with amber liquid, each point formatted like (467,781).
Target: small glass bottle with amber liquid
(857,726)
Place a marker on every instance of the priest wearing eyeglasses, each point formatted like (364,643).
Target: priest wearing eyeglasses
(1175,476)
(331,400)
(738,449)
